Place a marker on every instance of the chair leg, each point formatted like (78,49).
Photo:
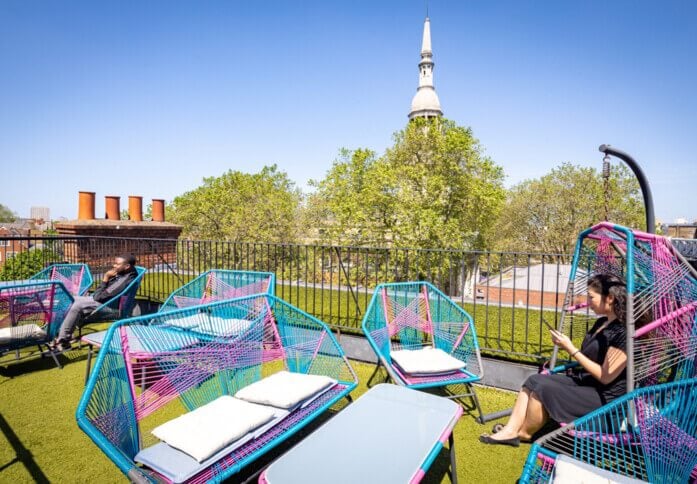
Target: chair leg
(89,363)
(453,463)
(377,367)
(53,354)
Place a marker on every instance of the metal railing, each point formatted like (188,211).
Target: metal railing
(507,293)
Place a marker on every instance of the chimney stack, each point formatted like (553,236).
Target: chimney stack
(85,207)
(112,204)
(135,208)
(158,210)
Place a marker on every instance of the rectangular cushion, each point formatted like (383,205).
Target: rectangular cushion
(568,470)
(179,466)
(20,333)
(225,327)
(285,389)
(204,431)
(426,361)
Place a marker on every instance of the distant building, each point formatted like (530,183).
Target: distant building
(41,217)
(540,285)
(681,231)
(425,103)
(12,239)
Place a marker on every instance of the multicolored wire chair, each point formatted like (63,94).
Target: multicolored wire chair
(118,307)
(210,286)
(31,313)
(649,434)
(76,278)
(415,315)
(218,285)
(661,306)
(192,357)
(661,312)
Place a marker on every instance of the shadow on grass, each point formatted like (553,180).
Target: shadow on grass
(22,454)
(36,361)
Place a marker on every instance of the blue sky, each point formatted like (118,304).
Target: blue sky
(147,98)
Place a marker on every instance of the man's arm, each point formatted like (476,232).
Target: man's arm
(112,286)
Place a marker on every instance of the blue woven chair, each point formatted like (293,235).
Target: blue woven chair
(649,434)
(155,367)
(416,315)
(76,278)
(218,285)
(31,314)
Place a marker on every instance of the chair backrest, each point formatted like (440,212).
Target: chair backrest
(662,290)
(77,278)
(649,434)
(410,315)
(31,312)
(193,356)
(121,305)
(218,285)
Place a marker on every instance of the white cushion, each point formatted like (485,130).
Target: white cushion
(571,471)
(285,389)
(426,361)
(184,322)
(218,326)
(202,432)
(21,332)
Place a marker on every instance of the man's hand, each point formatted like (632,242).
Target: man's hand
(111,273)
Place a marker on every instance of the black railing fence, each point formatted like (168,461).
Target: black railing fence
(507,293)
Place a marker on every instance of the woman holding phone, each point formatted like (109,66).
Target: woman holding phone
(599,378)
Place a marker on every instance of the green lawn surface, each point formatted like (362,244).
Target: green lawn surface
(41,442)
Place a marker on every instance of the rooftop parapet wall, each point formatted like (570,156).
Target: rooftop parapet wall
(151,242)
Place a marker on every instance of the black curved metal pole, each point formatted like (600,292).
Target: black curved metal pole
(643,183)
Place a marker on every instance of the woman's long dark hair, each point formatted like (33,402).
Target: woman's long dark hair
(606,284)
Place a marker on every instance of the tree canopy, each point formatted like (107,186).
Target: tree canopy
(7,215)
(432,189)
(547,214)
(242,207)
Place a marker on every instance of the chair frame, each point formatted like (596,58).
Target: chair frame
(50,300)
(639,435)
(235,284)
(376,327)
(54,272)
(115,422)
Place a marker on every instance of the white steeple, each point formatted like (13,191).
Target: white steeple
(425,103)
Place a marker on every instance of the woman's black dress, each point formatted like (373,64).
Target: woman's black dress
(569,396)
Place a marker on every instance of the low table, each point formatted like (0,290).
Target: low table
(391,434)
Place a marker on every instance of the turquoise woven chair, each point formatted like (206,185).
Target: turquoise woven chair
(649,434)
(76,278)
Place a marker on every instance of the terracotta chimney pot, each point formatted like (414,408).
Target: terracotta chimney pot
(112,204)
(135,208)
(158,210)
(85,206)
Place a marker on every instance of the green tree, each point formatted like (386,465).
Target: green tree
(7,215)
(241,207)
(27,263)
(547,214)
(432,189)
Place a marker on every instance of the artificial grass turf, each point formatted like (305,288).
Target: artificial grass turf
(40,440)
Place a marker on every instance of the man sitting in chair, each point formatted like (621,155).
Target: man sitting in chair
(114,281)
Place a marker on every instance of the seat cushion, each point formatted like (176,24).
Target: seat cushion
(225,327)
(204,431)
(22,332)
(426,361)
(571,471)
(285,389)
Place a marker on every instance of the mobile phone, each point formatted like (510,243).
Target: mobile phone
(551,328)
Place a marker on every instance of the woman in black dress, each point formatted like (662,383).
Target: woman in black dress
(599,378)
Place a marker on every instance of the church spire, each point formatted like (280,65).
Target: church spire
(425,103)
